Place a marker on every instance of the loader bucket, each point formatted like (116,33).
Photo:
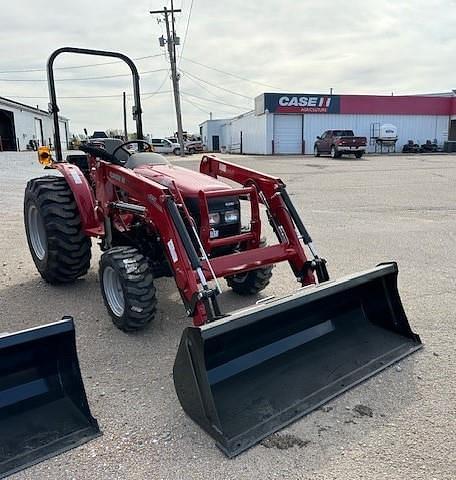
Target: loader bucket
(43,406)
(245,377)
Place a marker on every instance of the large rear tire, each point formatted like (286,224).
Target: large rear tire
(252,282)
(59,247)
(127,286)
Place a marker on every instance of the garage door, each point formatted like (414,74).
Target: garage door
(287,134)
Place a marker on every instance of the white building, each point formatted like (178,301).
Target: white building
(288,123)
(20,124)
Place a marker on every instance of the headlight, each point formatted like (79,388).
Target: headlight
(214,218)
(232,216)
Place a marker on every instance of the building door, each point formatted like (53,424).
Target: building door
(215,143)
(452,130)
(7,131)
(288,134)
(39,131)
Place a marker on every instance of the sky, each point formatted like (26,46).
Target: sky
(233,51)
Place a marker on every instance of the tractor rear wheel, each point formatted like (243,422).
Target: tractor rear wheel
(252,282)
(127,286)
(59,247)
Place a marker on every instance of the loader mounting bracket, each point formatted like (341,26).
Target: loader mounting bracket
(317,265)
(209,299)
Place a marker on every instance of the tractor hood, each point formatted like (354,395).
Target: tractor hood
(187,181)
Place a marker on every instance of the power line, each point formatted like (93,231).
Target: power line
(159,88)
(217,86)
(118,95)
(184,97)
(186,32)
(231,74)
(216,101)
(77,66)
(200,85)
(80,78)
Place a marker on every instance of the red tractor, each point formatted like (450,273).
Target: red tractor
(242,375)
(156,219)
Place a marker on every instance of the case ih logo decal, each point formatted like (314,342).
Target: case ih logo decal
(301,103)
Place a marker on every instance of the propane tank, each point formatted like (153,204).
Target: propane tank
(388,132)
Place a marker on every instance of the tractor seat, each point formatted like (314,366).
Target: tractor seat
(132,161)
(97,152)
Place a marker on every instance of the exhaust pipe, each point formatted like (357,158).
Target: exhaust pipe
(245,377)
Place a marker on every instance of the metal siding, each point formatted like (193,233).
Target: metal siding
(395,105)
(288,134)
(210,128)
(410,127)
(254,134)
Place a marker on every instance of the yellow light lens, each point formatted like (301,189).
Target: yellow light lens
(44,156)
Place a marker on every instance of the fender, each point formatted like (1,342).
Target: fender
(83,196)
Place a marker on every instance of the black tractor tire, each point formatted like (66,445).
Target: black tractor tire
(252,282)
(359,154)
(127,286)
(316,151)
(59,247)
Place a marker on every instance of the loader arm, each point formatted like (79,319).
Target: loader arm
(284,218)
(158,206)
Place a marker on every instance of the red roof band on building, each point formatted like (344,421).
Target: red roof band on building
(434,104)
(397,105)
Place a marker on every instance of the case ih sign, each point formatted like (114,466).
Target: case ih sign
(297,103)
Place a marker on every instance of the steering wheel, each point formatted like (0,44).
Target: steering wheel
(122,147)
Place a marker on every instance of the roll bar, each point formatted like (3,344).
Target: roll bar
(54,109)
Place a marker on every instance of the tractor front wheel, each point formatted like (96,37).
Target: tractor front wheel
(59,248)
(127,286)
(252,282)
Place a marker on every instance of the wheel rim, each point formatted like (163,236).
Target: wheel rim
(241,277)
(37,232)
(333,152)
(113,291)
(315,151)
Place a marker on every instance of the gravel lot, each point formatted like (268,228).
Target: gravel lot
(360,213)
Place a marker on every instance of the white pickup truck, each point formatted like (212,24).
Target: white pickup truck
(163,145)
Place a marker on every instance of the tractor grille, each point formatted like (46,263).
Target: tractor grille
(217,205)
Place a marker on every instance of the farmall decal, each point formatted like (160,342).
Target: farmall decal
(301,103)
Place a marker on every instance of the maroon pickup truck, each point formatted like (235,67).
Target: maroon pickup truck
(340,142)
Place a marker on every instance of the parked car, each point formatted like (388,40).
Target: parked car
(163,145)
(99,134)
(191,146)
(194,146)
(340,142)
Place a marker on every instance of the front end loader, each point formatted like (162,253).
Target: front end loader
(242,375)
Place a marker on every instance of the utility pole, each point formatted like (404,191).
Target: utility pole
(125,117)
(172,40)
